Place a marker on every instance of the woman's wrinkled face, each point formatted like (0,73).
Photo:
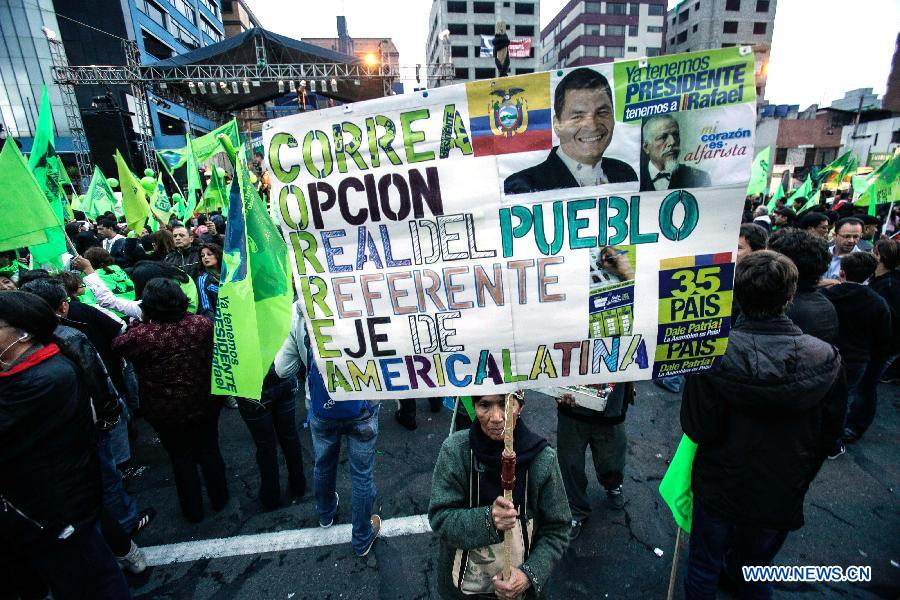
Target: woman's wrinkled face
(491,414)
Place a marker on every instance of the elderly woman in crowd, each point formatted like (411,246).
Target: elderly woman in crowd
(172,355)
(470,515)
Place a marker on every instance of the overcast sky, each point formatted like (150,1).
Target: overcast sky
(820,49)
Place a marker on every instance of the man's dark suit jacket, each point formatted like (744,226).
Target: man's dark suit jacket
(553,174)
(682,177)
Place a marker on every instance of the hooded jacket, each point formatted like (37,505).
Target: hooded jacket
(764,422)
(864,319)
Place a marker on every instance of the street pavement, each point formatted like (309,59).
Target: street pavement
(852,518)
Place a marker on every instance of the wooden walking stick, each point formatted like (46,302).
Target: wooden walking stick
(508,479)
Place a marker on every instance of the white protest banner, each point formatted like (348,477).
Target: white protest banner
(571,227)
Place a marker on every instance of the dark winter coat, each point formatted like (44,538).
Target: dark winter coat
(764,422)
(864,319)
(173,363)
(49,467)
(888,287)
(815,315)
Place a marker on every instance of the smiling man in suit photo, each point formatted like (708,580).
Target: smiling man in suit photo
(583,120)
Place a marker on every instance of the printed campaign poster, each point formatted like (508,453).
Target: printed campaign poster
(573,227)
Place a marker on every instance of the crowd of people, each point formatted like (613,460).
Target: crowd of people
(127,333)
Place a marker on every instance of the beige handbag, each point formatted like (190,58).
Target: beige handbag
(474,570)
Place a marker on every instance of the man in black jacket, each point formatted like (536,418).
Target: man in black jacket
(865,325)
(186,255)
(583,120)
(764,422)
(811,311)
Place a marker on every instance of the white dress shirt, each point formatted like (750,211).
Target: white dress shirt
(585,175)
(663,182)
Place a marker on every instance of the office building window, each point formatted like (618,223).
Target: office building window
(672,41)
(759,28)
(762,6)
(593,7)
(459,51)
(632,48)
(634,8)
(593,30)
(524,71)
(654,51)
(730,27)
(187,10)
(524,8)
(211,5)
(455,6)
(461,73)
(209,29)
(683,16)
(483,8)
(697,7)
(458,29)
(728,45)
(485,73)
(592,50)
(682,37)
(615,51)
(616,30)
(694,28)
(615,8)
(654,28)
(155,47)
(153,10)
(733,5)
(656,10)
(525,30)
(633,30)
(484,28)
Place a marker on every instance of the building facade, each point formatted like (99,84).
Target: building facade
(456,27)
(237,17)
(585,33)
(706,24)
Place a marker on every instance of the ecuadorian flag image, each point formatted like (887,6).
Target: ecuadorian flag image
(510,115)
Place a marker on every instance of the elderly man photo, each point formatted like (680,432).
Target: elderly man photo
(583,119)
(660,149)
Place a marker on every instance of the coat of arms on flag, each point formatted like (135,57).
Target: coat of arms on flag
(510,115)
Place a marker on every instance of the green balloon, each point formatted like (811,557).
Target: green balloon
(148,183)
(149,173)
(177,198)
(112,182)
(220,171)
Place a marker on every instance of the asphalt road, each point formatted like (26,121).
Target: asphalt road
(852,518)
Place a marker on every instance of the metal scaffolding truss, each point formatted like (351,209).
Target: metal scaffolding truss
(139,92)
(73,118)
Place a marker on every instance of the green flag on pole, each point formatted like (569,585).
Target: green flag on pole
(134,199)
(759,172)
(255,295)
(778,195)
(172,159)
(206,146)
(883,185)
(804,191)
(675,487)
(215,195)
(842,165)
(26,218)
(193,181)
(45,166)
(99,197)
(813,201)
(160,204)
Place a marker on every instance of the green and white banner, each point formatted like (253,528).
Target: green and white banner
(568,227)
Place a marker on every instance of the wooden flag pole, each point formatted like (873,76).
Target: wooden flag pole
(508,479)
(673,576)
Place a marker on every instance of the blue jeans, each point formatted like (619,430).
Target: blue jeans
(717,545)
(116,500)
(361,437)
(119,444)
(80,567)
(271,424)
(861,405)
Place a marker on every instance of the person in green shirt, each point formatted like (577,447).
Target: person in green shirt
(114,278)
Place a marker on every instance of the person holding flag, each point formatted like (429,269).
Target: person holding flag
(764,423)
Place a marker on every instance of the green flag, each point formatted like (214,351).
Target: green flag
(45,166)
(842,165)
(160,204)
(193,182)
(804,191)
(255,295)
(205,146)
(25,216)
(172,159)
(883,185)
(675,487)
(778,195)
(99,197)
(134,199)
(215,195)
(813,201)
(759,173)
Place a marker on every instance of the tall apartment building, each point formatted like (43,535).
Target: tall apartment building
(707,24)
(237,17)
(585,33)
(465,21)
